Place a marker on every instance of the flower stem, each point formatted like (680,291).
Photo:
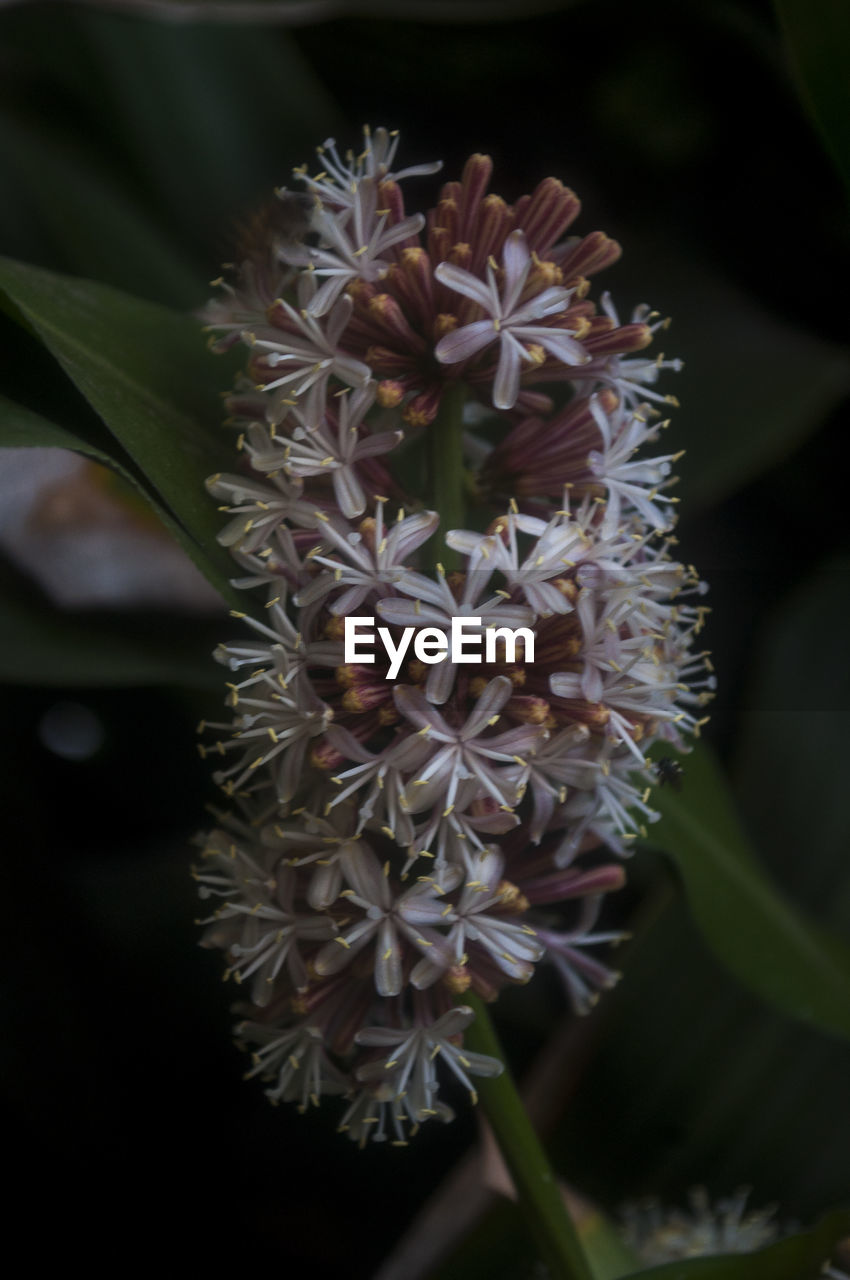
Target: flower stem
(445,438)
(540,1199)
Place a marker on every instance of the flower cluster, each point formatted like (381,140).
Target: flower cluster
(394,841)
(660,1235)
(706,1228)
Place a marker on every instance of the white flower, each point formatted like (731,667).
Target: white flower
(340,178)
(633,650)
(302,352)
(632,376)
(562,762)
(296,1059)
(377,1109)
(478,919)
(334,446)
(615,810)
(259,509)
(371,559)
(558,544)
(354,244)
(447,837)
(583,975)
(317,843)
(258,920)
(412,1056)
(511,321)
(384,775)
(276,721)
(704,1229)
(632,484)
(435,604)
(465,753)
(386,920)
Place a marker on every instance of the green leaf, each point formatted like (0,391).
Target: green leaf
(248,102)
(45,647)
(607,1252)
(85,222)
(496,1246)
(800,1257)
(21,428)
(791,762)
(146,372)
(767,944)
(817,36)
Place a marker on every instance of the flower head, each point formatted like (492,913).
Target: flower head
(406,827)
(703,1229)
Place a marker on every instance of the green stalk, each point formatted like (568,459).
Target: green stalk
(540,1199)
(445,461)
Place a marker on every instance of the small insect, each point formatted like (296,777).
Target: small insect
(670,772)
(293,215)
(286,220)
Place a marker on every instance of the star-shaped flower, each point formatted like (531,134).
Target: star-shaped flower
(511,320)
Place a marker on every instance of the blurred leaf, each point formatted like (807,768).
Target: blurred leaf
(721,1087)
(606,1250)
(233,109)
(43,646)
(90,225)
(800,1257)
(21,428)
(498,1248)
(791,764)
(498,1245)
(754,387)
(300,13)
(146,372)
(722,1090)
(48,648)
(817,36)
(763,940)
(456,10)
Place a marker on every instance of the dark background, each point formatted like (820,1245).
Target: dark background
(130,149)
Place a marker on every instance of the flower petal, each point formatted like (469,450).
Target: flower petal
(488,705)
(517,261)
(464,282)
(506,385)
(462,344)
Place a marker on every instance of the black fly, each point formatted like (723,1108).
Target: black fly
(670,772)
